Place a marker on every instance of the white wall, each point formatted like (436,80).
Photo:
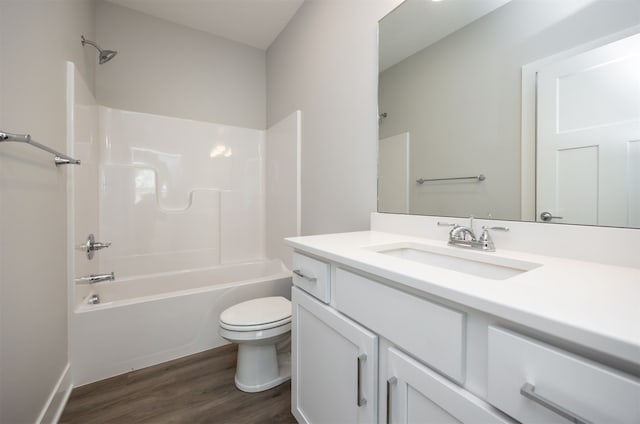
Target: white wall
(36,38)
(460,99)
(325,64)
(168,69)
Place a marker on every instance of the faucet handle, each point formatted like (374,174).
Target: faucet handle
(486,240)
(446,224)
(91,245)
(485,228)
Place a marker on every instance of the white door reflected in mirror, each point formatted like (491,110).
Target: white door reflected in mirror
(588,137)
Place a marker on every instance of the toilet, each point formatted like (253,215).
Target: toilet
(262,329)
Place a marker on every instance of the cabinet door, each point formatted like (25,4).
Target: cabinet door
(334,366)
(416,394)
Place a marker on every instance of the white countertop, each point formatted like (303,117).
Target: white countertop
(594,305)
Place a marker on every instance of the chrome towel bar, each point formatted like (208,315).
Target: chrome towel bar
(480,177)
(60,158)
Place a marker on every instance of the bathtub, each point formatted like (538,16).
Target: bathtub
(145,320)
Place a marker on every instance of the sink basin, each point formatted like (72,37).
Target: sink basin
(469,262)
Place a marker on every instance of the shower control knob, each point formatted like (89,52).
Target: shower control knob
(92,245)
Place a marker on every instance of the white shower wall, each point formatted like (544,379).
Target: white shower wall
(178,194)
(283,186)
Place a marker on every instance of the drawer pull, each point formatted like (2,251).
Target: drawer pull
(528,391)
(301,275)
(390,382)
(361,401)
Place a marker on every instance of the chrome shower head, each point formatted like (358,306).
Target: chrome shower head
(105,55)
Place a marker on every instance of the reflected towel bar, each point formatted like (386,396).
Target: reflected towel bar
(60,158)
(480,177)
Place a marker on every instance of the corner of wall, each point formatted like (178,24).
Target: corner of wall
(52,410)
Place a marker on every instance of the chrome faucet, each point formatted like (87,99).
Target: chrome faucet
(461,233)
(462,236)
(95,278)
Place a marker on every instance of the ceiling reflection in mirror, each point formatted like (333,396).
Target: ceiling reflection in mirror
(514,110)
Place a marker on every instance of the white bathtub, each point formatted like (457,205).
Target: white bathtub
(142,321)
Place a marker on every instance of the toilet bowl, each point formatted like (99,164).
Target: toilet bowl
(262,329)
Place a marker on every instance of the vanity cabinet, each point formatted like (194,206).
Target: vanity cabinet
(422,336)
(334,365)
(368,349)
(417,394)
(432,333)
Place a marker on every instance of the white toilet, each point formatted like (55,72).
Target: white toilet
(262,329)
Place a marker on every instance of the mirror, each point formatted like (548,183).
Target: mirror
(512,110)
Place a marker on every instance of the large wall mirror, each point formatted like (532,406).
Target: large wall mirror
(511,109)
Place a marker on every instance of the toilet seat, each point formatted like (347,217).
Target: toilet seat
(257,314)
(259,327)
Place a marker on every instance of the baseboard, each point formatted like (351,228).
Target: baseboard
(57,400)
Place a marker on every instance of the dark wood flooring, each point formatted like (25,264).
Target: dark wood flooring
(194,389)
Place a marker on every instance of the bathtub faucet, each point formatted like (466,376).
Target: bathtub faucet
(95,278)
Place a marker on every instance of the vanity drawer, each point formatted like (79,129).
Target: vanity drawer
(577,386)
(312,276)
(430,332)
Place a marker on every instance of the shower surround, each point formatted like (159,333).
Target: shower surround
(183,205)
(176,193)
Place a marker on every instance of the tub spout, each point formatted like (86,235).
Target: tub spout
(95,278)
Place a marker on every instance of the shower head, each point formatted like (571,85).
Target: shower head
(105,55)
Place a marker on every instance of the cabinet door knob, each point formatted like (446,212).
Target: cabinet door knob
(528,391)
(361,401)
(306,277)
(390,382)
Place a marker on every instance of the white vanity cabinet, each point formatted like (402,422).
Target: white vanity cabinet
(431,332)
(334,365)
(425,342)
(417,394)
(366,348)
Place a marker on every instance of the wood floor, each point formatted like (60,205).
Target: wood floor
(195,389)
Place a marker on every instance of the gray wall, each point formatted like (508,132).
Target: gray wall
(325,63)
(36,38)
(460,99)
(169,69)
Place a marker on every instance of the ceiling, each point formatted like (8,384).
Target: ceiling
(253,22)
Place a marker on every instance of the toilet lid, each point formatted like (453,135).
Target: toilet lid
(259,311)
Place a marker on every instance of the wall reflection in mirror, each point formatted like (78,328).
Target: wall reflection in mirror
(540,97)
